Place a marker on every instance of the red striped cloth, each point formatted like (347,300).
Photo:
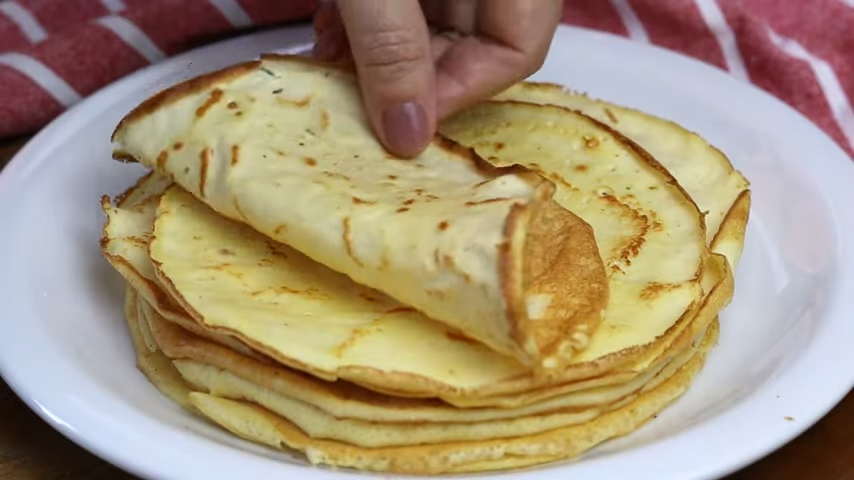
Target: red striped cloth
(55,52)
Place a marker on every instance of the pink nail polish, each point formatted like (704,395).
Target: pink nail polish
(405,129)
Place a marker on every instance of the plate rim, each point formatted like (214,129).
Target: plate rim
(835,389)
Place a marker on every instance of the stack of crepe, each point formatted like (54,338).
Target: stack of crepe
(546,276)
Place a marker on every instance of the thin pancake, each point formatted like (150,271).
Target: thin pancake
(721,192)
(485,250)
(151,362)
(373,434)
(358,404)
(216,262)
(648,229)
(344,400)
(261,425)
(124,243)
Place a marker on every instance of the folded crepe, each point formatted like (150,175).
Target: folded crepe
(282,144)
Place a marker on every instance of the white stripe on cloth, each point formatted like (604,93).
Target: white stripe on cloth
(631,21)
(114,6)
(25,20)
(233,12)
(850,3)
(834,94)
(133,36)
(42,76)
(715,20)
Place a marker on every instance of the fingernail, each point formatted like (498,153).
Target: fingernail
(405,129)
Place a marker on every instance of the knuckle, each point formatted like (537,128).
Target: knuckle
(392,53)
(538,58)
(533,58)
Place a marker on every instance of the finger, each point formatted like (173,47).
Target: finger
(330,40)
(432,9)
(441,42)
(332,49)
(458,15)
(325,16)
(390,44)
(512,41)
(450,21)
(521,25)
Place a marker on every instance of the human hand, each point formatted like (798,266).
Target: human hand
(418,62)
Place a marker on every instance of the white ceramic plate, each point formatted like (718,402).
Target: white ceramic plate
(783,360)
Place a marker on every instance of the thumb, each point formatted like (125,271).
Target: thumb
(390,43)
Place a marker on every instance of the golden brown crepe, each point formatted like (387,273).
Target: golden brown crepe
(721,192)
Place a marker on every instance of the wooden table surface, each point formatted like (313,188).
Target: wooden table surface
(31,450)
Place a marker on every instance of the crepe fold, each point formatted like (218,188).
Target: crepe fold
(282,145)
